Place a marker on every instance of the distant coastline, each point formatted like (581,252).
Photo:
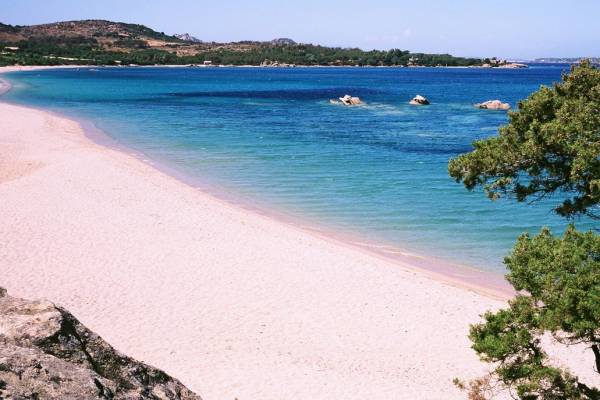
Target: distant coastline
(101,42)
(16,68)
(565,60)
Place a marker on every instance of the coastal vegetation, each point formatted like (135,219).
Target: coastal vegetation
(97,42)
(550,147)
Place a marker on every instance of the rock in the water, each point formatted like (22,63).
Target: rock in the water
(493,105)
(46,353)
(348,100)
(514,65)
(419,100)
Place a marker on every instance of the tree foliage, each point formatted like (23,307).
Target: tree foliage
(561,281)
(38,50)
(550,146)
(308,54)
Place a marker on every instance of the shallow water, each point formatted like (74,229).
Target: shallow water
(271,137)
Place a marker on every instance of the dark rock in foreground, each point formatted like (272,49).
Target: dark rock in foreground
(46,353)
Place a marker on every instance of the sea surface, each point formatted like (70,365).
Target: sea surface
(271,138)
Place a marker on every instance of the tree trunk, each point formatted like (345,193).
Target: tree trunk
(596,351)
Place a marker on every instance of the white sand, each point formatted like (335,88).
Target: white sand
(233,303)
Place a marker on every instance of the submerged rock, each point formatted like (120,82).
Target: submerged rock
(46,353)
(493,105)
(419,100)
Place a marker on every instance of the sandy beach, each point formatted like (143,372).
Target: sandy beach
(233,303)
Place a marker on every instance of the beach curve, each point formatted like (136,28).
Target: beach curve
(233,303)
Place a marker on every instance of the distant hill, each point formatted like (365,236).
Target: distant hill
(568,60)
(100,42)
(107,33)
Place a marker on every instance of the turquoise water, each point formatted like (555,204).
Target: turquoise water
(271,137)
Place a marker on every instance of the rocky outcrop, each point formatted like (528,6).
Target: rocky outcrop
(269,63)
(496,63)
(283,42)
(46,353)
(419,100)
(493,105)
(347,100)
(186,37)
(514,66)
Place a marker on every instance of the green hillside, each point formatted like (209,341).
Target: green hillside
(99,42)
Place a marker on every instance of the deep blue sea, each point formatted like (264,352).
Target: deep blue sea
(271,137)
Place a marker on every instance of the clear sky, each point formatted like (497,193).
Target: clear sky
(505,28)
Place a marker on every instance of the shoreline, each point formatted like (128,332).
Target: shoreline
(233,303)
(481,281)
(487,283)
